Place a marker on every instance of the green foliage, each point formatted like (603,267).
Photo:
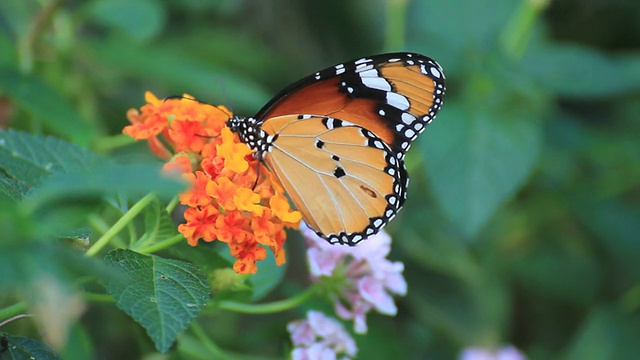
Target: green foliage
(162,295)
(45,103)
(24,348)
(30,159)
(521,224)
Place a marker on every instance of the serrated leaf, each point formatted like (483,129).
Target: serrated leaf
(132,180)
(46,104)
(13,188)
(24,348)
(205,255)
(32,158)
(162,295)
(476,159)
(226,284)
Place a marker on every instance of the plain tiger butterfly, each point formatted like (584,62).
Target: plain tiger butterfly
(336,139)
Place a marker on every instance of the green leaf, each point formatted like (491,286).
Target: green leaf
(45,273)
(536,271)
(578,71)
(30,159)
(215,261)
(22,260)
(7,50)
(269,276)
(133,180)
(456,31)
(24,348)
(162,295)
(616,231)
(206,255)
(607,333)
(47,105)
(180,70)
(476,158)
(13,188)
(141,19)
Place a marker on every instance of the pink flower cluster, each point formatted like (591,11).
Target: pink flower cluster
(370,279)
(320,338)
(505,353)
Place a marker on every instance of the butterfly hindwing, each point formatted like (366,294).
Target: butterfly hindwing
(343,178)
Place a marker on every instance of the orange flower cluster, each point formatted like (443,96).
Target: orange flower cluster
(223,202)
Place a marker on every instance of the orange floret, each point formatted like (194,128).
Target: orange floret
(233,198)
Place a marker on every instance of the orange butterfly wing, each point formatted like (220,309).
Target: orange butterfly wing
(336,139)
(343,179)
(393,95)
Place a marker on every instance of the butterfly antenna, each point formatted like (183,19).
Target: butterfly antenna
(222,85)
(182,97)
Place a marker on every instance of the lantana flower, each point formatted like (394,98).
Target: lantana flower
(365,278)
(233,198)
(320,337)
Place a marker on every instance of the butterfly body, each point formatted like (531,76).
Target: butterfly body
(336,140)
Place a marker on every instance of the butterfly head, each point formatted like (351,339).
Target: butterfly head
(250,133)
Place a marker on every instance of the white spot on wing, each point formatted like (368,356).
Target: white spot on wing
(408,118)
(376,83)
(397,101)
(435,72)
(369,73)
(409,133)
(363,67)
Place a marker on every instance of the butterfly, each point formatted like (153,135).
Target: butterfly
(336,140)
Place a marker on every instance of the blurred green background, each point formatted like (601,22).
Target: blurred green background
(522,224)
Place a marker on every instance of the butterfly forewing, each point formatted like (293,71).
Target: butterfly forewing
(393,95)
(342,178)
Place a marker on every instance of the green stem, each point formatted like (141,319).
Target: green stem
(161,245)
(517,33)
(112,142)
(99,298)
(98,223)
(13,310)
(120,224)
(394,37)
(172,205)
(27,43)
(268,308)
(201,335)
